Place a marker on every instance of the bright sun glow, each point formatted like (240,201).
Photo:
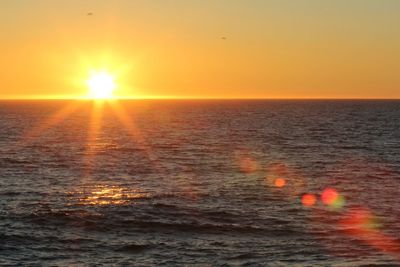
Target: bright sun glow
(101,85)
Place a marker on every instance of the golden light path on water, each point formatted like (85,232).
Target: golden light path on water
(356,222)
(109,195)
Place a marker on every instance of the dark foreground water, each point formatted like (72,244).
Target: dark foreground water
(197,183)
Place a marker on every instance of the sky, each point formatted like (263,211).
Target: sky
(202,48)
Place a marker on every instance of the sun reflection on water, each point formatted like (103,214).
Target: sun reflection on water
(111,195)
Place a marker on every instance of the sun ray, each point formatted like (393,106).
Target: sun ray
(133,131)
(43,126)
(93,132)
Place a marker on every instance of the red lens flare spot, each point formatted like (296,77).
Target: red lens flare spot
(364,226)
(280,182)
(329,196)
(308,200)
(362,219)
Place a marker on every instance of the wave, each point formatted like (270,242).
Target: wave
(134,248)
(177,222)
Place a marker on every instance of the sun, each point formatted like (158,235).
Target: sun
(101,85)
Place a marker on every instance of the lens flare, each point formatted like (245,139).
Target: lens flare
(329,196)
(280,182)
(285,180)
(248,165)
(362,224)
(332,198)
(308,200)
(362,219)
(339,202)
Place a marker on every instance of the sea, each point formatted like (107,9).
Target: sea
(200,183)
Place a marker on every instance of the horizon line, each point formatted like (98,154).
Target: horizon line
(192,98)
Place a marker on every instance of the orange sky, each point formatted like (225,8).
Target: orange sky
(273,49)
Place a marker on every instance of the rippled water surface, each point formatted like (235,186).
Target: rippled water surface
(200,183)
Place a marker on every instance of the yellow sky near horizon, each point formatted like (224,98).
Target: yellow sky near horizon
(202,49)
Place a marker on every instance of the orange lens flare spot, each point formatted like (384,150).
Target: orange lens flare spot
(308,200)
(280,182)
(329,196)
(248,165)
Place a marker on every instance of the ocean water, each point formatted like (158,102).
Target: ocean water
(200,183)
